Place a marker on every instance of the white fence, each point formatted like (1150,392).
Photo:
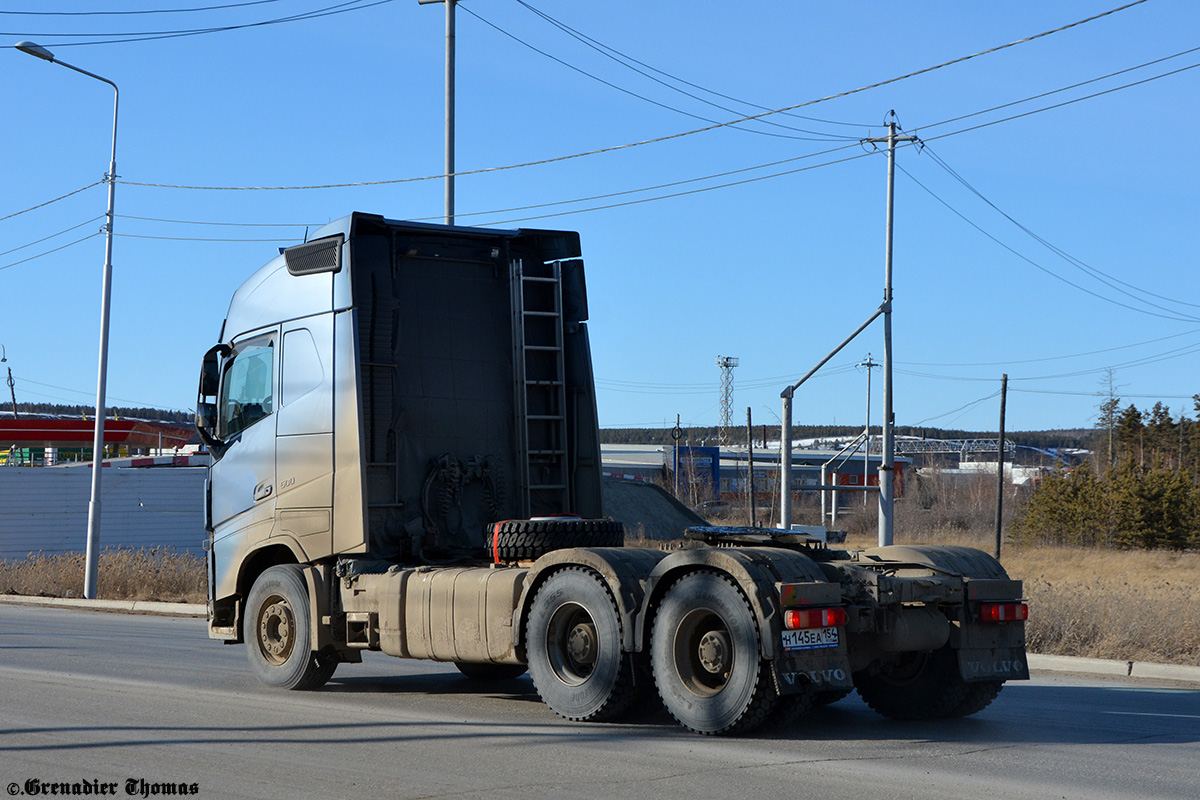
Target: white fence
(46,509)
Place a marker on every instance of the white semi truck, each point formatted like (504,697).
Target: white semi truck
(406,459)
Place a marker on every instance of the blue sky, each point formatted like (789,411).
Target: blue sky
(775,270)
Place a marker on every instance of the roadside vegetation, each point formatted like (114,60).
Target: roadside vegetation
(156,573)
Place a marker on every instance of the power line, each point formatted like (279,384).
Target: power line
(963,408)
(613,53)
(668,137)
(197,239)
(1035,264)
(1045,358)
(111,397)
(1058,251)
(1105,394)
(1060,105)
(1057,91)
(134,13)
(224,224)
(609,53)
(340,8)
(630,92)
(51,236)
(1179,352)
(48,252)
(49,202)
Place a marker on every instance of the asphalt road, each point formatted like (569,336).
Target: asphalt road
(88,696)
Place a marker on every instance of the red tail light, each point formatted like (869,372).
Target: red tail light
(1003,612)
(796,619)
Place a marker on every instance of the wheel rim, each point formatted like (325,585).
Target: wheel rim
(572,644)
(703,652)
(276,630)
(906,671)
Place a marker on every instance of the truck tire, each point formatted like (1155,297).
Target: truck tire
(830,696)
(573,640)
(705,653)
(490,672)
(278,632)
(518,540)
(925,686)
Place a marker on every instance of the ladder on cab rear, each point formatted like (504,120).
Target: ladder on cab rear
(540,382)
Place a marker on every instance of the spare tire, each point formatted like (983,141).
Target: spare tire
(526,539)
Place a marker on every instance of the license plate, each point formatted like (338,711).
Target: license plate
(810,639)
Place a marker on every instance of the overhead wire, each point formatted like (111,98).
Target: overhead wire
(138,12)
(340,8)
(48,252)
(1186,350)
(617,55)
(667,137)
(223,224)
(819,136)
(50,202)
(1035,264)
(1046,358)
(963,408)
(1087,269)
(53,235)
(198,239)
(110,397)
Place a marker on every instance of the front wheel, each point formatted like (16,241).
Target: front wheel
(573,639)
(706,656)
(279,632)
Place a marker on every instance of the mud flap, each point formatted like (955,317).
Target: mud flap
(995,663)
(826,672)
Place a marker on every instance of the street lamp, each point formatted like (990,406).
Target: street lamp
(450,4)
(93,552)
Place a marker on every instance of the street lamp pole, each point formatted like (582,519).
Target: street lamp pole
(450,5)
(93,531)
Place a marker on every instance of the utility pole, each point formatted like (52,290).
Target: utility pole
(450,5)
(750,467)
(13,393)
(869,365)
(1000,467)
(888,468)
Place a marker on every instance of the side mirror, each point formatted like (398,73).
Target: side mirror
(206,412)
(206,417)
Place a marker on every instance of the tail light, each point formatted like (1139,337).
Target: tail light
(1003,612)
(797,619)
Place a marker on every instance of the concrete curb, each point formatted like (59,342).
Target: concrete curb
(1124,669)
(137,606)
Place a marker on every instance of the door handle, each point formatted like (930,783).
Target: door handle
(262,491)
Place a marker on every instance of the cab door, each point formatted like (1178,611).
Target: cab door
(242,477)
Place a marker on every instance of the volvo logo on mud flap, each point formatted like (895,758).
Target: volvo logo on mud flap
(1001,667)
(818,677)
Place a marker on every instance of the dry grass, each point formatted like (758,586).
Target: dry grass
(157,573)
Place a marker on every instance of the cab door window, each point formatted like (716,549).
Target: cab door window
(246,391)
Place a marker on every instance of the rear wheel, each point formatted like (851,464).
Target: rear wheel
(925,686)
(279,632)
(830,696)
(573,641)
(705,653)
(490,672)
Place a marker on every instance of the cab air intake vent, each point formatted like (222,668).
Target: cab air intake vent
(321,255)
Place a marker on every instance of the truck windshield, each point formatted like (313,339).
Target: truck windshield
(246,390)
